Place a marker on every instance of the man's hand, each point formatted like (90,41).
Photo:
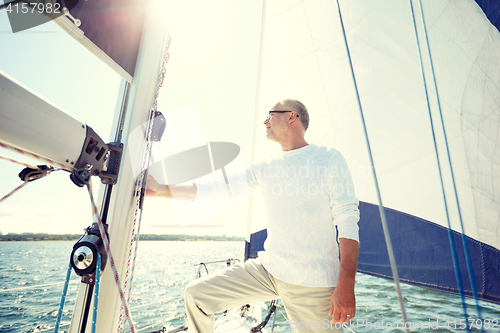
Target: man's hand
(152,188)
(181,192)
(343,304)
(343,301)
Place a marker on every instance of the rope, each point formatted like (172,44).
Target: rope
(22,152)
(450,234)
(18,162)
(96,290)
(37,157)
(464,240)
(63,298)
(13,191)
(381,207)
(139,183)
(105,240)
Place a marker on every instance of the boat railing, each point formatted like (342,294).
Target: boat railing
(228,262)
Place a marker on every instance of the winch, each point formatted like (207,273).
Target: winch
(85,252)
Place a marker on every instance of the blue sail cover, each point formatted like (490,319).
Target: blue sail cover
(423,260)
(491,9)
(303,56)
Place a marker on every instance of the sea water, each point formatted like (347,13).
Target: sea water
(32,276)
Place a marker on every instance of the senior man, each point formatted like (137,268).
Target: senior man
(311,251)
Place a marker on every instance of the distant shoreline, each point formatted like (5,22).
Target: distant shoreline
(145,237)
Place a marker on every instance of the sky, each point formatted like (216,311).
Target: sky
(210,95)
(212,72)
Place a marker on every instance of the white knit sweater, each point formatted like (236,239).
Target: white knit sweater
(308,196)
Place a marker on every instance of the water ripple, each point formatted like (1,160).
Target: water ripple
(163,270)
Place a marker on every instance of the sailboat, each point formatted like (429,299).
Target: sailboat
(406,90)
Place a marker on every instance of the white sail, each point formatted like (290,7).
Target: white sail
(304,57)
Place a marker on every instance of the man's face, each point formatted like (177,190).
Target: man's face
(276,123)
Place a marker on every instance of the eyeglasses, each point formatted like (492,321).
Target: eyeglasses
(273,111)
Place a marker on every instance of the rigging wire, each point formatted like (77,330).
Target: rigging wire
(454,254)
(381,207)
(464,240)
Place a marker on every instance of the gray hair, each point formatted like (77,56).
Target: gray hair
(300,108)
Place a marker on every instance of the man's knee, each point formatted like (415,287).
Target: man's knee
(192,289)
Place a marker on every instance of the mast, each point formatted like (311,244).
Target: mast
(141,93)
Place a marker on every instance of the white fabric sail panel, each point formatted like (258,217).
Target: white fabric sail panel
(304,57)
(330,96)
(467,48)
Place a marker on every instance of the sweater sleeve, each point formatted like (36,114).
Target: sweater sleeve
(343,201)
(238,185)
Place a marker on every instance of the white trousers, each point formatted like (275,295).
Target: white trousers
(307,307)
